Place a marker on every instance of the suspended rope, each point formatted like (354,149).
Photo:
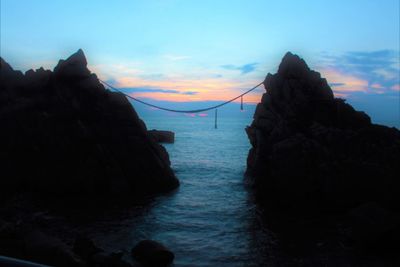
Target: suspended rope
(185,111)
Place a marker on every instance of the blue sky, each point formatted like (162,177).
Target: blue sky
(211,50)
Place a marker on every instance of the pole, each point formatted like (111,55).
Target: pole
(216,112)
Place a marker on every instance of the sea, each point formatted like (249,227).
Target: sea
(211,219)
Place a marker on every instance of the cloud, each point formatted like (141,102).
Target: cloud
(336,84)
(154,76)
(244,69)
(395,87)
(378,69)
(175,57)
(369,80)
(176,86)
(382,63)
(387,75)
(376,86)
(343,83)
(156,90)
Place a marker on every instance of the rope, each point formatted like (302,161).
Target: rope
(181,111)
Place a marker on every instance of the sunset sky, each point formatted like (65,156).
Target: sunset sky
(213,50)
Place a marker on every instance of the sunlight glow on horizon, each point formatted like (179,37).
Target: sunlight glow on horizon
(182,51)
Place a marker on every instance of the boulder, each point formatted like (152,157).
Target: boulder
(163,136)
(87,250)
(152,253)
(63,134)
(106,260)
(43,248)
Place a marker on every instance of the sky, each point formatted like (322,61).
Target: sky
(199,51)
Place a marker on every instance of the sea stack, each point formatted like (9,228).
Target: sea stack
(313,154)
(63,133)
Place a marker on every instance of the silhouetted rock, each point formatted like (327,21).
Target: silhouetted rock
(73,68)
(312,154)
(95,256)
(19,240)
(370,225)
(63,133)
(162,136)
(85,248)
(152,253)
(40,247)
(24,242)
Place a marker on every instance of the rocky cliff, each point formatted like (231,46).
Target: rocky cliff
(323,173)
(63,133)
(312,154)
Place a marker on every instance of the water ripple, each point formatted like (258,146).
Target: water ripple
(210,220)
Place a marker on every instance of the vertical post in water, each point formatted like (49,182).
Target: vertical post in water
(241,103)
(216,112)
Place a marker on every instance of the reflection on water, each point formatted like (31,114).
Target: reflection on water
(210,220)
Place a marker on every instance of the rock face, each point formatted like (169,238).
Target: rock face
(152,254)
(312,152)
(63,133)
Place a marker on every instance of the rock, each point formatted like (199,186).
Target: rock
(106,260)
(152,253)
(373,226)
(313,154)
(43,248)
(162,136)
(63,134)
(85,248)
(73,67)
(10,242)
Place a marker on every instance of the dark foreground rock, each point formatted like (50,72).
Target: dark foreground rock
(153,254)
(39,247)
(315,160)
(92,255)
(63,134)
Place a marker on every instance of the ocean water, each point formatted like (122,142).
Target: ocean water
(211,219)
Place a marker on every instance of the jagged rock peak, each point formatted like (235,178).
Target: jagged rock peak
(77,58)
(292,66)
(4,65)
(74,66)
(296,82)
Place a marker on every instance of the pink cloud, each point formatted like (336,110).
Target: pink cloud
(395,87)
(376,86)
(206,88)
(348,83)
(341,95)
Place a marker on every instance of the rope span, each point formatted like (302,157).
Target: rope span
(183,111)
